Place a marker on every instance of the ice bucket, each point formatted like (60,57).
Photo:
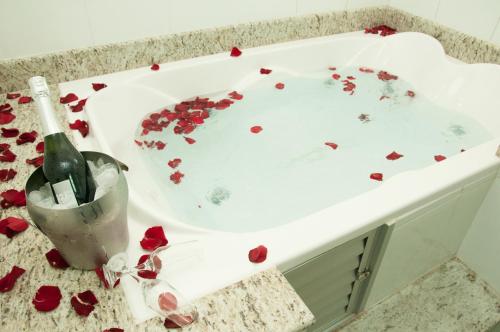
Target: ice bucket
(87,235)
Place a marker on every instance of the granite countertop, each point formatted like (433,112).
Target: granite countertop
(262,302)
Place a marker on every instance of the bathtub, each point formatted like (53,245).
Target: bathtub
(115,112)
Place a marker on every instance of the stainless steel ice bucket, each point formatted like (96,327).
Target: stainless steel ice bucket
(88,235)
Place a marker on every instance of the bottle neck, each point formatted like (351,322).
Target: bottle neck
(41,94)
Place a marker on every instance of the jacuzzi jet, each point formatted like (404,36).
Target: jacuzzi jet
(218,195)
(364,117)
(457,130)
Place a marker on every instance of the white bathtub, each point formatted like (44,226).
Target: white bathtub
(115,112)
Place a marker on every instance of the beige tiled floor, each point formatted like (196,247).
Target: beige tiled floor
(450,298)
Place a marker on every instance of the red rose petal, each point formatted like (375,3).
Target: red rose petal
(81,125)
(28,137)
(393,156)
(258,254)
(47,298)
(377,176)
(10,132)
(174,162)
(235,95)
(69,98)
(37,161)
(7,174)
(79,106)
(182,320)
(235,52)
(189,140)
(5,107)
(336,76)
(332,68)
(40,147)
(24,100)
(114,329)
(383,29)
(167,301)
(279,86)
(11,226)
(265,71)
(366,70)
(154,237)
(7,156)
(176,177)
(88,297)
(385,76)
(81,309)
(410,93)
(160,145)
(6,117)
(100,274)
(332,145)
(13,197)
(256,129)
(155,67)
(147,274)
(351,78)
(439,157)
(13,95)
(8,281)
(143,258)
(98,86)
(56,260)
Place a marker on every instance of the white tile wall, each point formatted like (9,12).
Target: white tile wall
(29,27)
(318,6)
(423,8)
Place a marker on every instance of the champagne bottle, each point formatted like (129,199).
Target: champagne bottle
(63,166)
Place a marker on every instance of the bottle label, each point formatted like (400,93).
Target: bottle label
(65,194)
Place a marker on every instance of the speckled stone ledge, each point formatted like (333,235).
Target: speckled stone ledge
(263,302)
(80,63)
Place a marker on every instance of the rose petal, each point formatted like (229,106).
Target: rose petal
(56,260)
(114,329)
(235,95)
(98,86)
(366,70)
(7,174)
(256,129)
(235,52)
(160,145)
(81,125)
(24,100)
(265,71)
(258,254)
(69,98)
(143,258)
(175,321)
(81,309)
(7,156)
(79,106)
(6,117)
(147,274)
(10,132)
(5,107)
(167,301)
(14,197)
(410,93)
(87,297)
(189,140)
(8,281)
(332,145)
(47,298)
(40,147)
(332,68)
(28,137)
(336,76)
(439,157)
(385,76)
(154,237)
(37,161)
(11,226)
(13,95)
(155,67)
(279,86)
(100,274)
(174,162)
(393,156)
(377,176)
